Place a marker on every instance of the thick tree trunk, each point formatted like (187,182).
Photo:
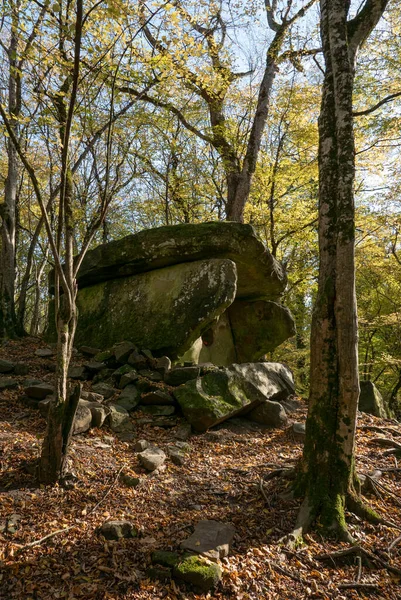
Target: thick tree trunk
(327,477)
(8,208)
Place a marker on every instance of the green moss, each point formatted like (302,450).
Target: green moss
(165,558)
(198,572)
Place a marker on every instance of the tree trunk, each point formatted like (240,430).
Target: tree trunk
(327,476)
(8,209)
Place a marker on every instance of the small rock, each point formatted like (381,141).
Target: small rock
(180,375)
(103,375)
(177,456)
(183,446)
(129,480)
(270,413)
(129,398)
(92,397)
(158,397)
(126,436)
(104,390)
(198,572)
(93,367)
(128,378)
(183,432)
(165,422)
(43,406)
(123,351)
(89,351)
(44,352)
(165,558)
(152,375)
(8,383)
(115,530)
(137,360)
(298,430)
(107,356)
(158,411)
(77,372)
(39,391)
(141,445)
(162,365)
(147,353)
(152,458)
(118,419)
(6,366)
(82,420)
(21,369)
(210,538)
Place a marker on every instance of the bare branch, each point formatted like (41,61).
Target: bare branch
(367,111)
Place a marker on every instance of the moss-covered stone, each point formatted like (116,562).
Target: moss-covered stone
(165,310)
(259,274)
(165,558)
(199,572)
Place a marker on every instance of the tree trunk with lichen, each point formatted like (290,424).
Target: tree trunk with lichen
(327,479)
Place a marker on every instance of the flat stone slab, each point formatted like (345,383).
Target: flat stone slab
(39,391)
(152,458)
(259,274)
(211,539)
(165,310)
(6,366)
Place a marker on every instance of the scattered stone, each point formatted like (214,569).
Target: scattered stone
(298,430)
(144,386)
(162,365)
(106,356)
(6,366)
(152,458)
(122,351)
(99,414)
(128,378)
(21,369)
(129,480)
(104,389)
(82,420)
(118,419)
(183,432)
(77,372)
(129,398)
(199,572)
(115,530)
(43,406)
(92,396)
(158,397)
(211,539)
(103,375)
(180,375)
(44,352)
(157,411)
(89,351)
(141,445)
(152,375)
(371,401)
(93,367)
(165,558)
(137,360)
(271,414)
(8,383)
(39,391)
(183,446)
(177,456)
(126,436)
(165,422)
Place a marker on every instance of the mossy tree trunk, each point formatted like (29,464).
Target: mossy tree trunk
(327,478)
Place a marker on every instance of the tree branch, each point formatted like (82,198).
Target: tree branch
(367,111)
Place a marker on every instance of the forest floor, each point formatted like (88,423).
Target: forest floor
(221,480)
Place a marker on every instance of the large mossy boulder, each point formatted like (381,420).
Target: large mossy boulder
(259,273)
(165,310)
(371,401)
(229,392)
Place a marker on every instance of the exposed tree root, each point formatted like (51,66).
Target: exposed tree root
(363,553)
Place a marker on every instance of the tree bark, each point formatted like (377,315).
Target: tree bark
(327,477)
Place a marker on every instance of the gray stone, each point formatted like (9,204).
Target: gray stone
(152,458)
(44,352)
(298,430)
(152,375)
(162,365)
(157,411)
(158,397)
(82,420)
(89,350)
(118,419)
(43,406)
(211,539)
(183,432)
(99,412)
(141,445)
(21,369)
(104,389)
(165,558)
(115,530)
(371,401)
(137,360)
(269,413)
(92,396)
(232,391)
(128,378)
(198,572)
(259,274)
(122,351)
(8,383)
(129,398)
(180,375)
(77,372)
(176,455)
(165,310)
(39,391)
(129,480)
(6,366)
(94,367)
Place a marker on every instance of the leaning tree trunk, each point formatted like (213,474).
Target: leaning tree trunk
(327,478)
